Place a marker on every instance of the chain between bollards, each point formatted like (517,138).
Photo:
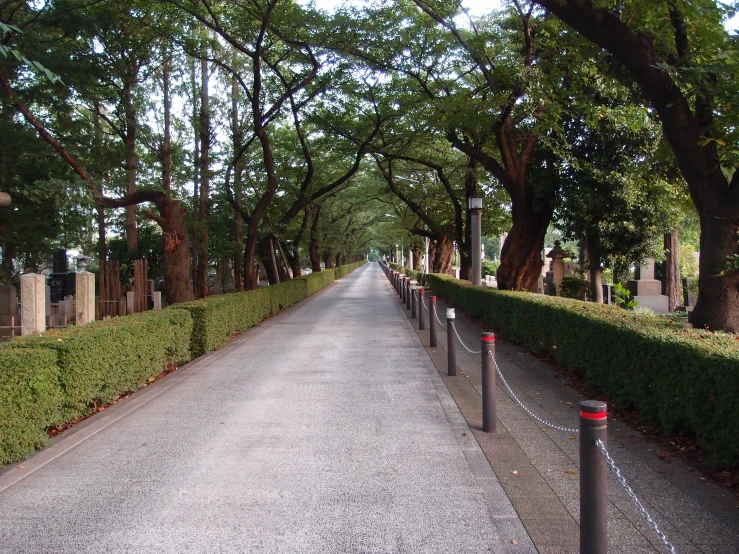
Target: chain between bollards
(487,350)
(451,346)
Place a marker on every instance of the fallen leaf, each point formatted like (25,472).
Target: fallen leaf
(664,455)
(514,472)
(152,379)
(514,541)
(570,472)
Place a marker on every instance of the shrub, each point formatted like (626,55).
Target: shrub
(573,287)
(682,378)
(30,398)
(490,267)
(99,362)
(318,280)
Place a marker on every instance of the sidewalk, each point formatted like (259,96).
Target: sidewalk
(696,516)
(325,429)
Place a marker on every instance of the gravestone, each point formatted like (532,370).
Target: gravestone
(689,297)
(33,303)
(647,290)
(85,301)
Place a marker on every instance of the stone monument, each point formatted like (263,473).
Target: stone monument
(85,307)
(647,290)
(33,303)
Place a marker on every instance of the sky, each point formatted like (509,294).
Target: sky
(475,7)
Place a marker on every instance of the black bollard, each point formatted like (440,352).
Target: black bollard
(487,347)
(593,478)
(451,345)
(432,321)
(402,290)
(421,323)
(414,291)
(408,293)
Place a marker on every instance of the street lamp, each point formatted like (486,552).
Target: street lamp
(475,206)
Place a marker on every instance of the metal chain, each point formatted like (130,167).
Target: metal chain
(525,409)
(462,342)
(632,496)
(437,319)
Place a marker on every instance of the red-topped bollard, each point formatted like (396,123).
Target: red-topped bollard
(593,478)
(487,349)
(432,321)
(451,346)
(421,323)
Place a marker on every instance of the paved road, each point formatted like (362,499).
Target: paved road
(325,429)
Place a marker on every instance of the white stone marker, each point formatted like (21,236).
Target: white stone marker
(85,282)
(33,303)
(156,298)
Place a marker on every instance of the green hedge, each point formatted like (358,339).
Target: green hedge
(30,398)
(53,378)
(99,362)
(319,280)
(346,269)
(50,379)
(685,379)
(218,318)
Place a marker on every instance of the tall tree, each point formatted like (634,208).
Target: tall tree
(681,57)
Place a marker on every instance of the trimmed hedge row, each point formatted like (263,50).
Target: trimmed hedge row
(218,318)
(65,373)
(346,269)
(684,379)
(50,379)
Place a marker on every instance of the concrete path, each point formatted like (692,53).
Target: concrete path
(697,516)
(325,429)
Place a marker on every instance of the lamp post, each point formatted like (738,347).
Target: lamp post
(475,206)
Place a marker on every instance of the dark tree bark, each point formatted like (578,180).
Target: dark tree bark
(267,255)
(671,281)
(315,259)
(686,129)
(171,213)
(132,243)
(202,268)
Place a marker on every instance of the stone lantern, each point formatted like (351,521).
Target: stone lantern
(557,254)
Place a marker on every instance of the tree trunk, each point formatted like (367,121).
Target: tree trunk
(267,255)
(717,307)
(520,259)
(443,255)
(237,140)
(251,272)
(671,280)
(132,243)
(282,267)
(596,272)
(328,257)
(176,251)
(201,284)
